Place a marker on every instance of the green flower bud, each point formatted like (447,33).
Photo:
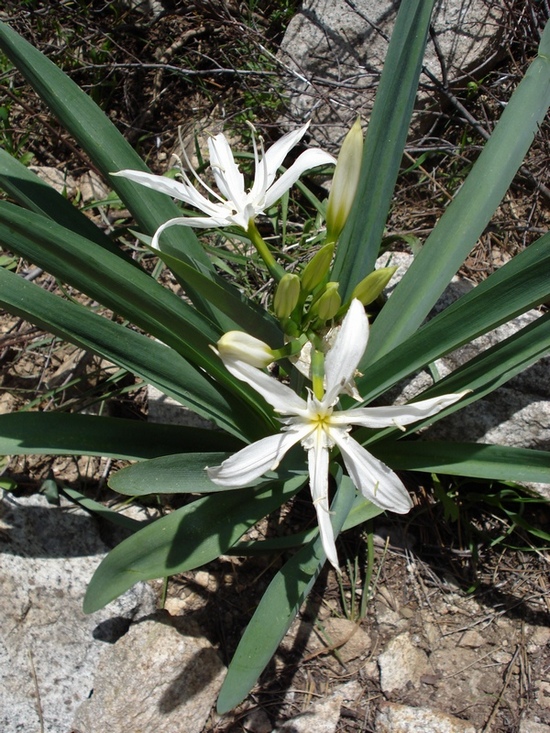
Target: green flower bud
(317,268)
(371,286)
(345,181)
(328,304)
(241,346)
(287,295)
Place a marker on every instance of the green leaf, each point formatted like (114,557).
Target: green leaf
(125,289)
(516,287)
(185,539)
(103,512)
(279,605)
(35,194)
(59,433)
(178,474)
(387,131)
(468,214)
(475,460)
(151,360)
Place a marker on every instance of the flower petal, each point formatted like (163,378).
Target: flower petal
(345,353)
(318,460)
(274,157)
(229,178)
(253,461)
(396,415)
(376,481)
(280,397)
(187,221)
(308,159)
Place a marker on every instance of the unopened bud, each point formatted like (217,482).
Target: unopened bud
(287,295)
(317,268)
(345,181)
(241,346)
(371,286)
(327,306)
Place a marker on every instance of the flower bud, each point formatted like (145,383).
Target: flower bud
(345,181)
(241,346)
(287,295)
(317,268)
(371,286)
(327,306)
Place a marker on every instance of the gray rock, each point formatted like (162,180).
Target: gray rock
(334,51)
(529,726)
(402,664)
(322,716)
(48,647)
(394,718)
(158,677)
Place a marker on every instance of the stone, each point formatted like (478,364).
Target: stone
(530,726)
(334,51)
(162,676)
(166,410)
(322,716)
(394,718)
(48,648)
(402,664)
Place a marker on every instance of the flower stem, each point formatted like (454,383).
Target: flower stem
(275,270)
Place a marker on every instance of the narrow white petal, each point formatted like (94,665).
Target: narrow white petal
(275,155)
(396,415)
(318,460)
(280,397)
(376,481)
(169,186)
(188,221)
(346,351)
(253,461)
(308,159)
(229,178)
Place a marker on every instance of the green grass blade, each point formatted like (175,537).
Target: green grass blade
(185,539)
(154,362)
(469,213)
(100,510)
(475,460)
(60,433)
(385,140)
(279,605)
(519,285)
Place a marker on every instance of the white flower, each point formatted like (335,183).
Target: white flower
(235,206)
(319,427)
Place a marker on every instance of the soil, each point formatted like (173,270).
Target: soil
(461,604)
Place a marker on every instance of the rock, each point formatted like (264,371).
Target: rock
(48,647)
(321,716)
(394,718)
(164,409)
(402,664)
(60,180)
(158,677)
(529,726)
(334,51)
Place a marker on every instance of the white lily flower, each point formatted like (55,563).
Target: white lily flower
(235,206)
(319,427)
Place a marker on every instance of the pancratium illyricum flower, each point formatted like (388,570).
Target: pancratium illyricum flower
(234,205)
(319,427)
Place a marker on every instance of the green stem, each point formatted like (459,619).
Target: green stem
(275,270)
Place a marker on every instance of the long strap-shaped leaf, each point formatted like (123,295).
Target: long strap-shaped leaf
(63,433)
(115,284)
(154,362)
(476,460)
(520,284)
(32,192)
(185,539)
(386,135)
(483,374)
(469,213)
(106,147)
(278,607)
